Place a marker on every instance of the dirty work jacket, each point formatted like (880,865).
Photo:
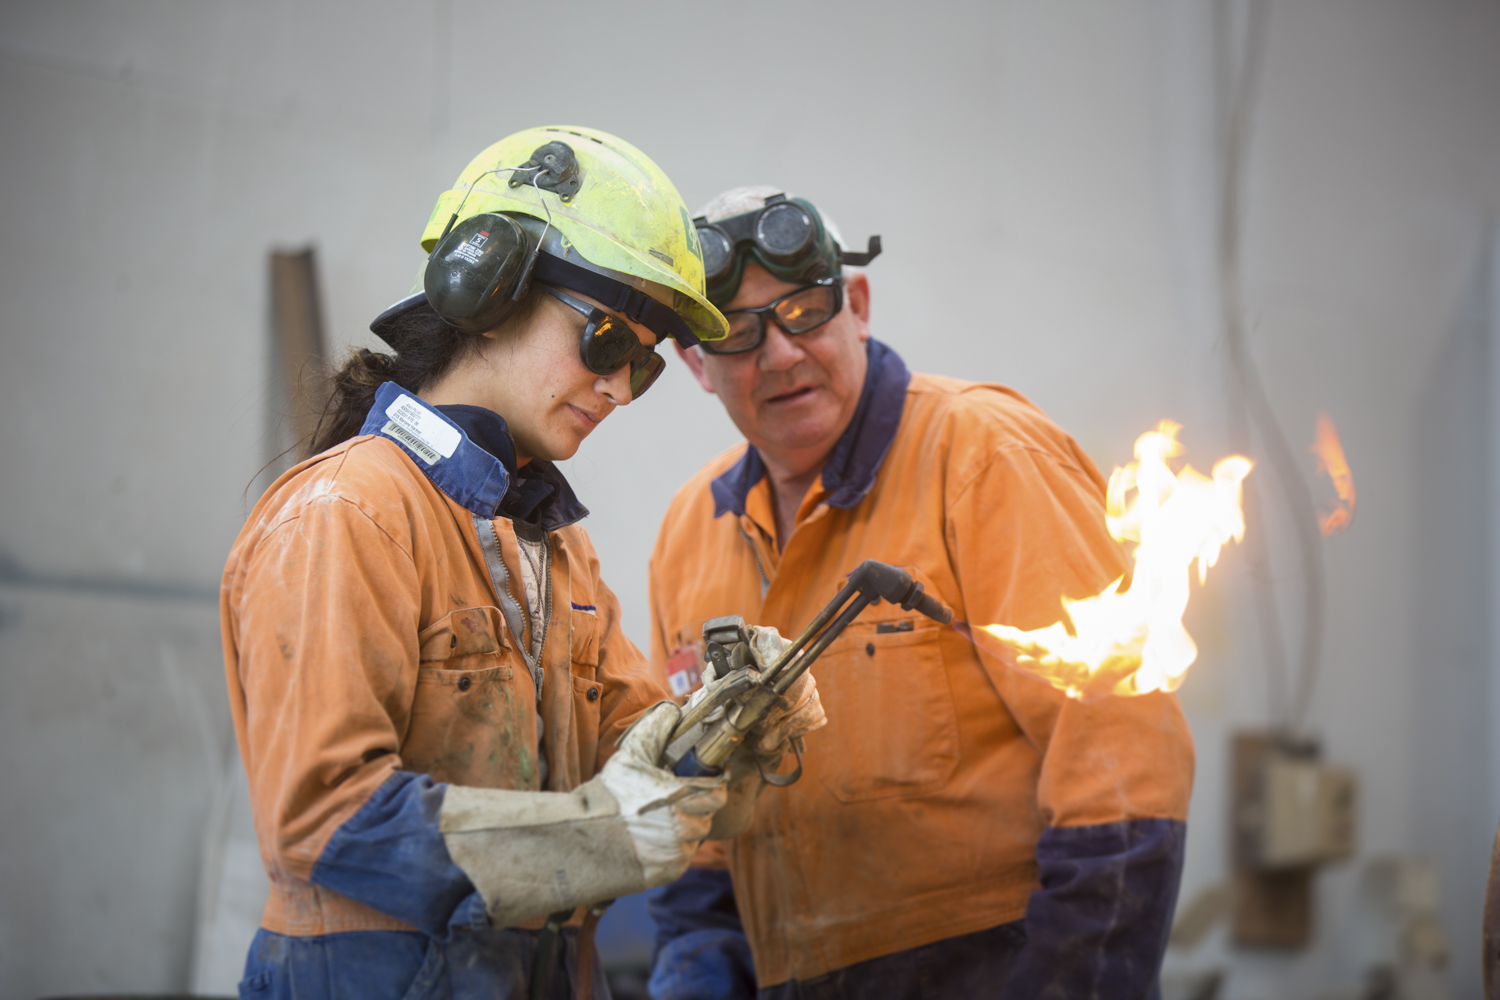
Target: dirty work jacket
(949,793)
(371,609)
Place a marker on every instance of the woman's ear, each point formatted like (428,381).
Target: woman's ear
(693,358)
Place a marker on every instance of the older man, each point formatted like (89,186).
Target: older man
(961,829)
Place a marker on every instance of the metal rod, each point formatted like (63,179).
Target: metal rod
(788,677)
(813,628)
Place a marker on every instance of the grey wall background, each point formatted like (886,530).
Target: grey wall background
(1045,176)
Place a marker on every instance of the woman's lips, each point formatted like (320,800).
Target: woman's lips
(589,420)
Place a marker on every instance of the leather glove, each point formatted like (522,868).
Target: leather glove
(633,827)
(766,745)
(804,713)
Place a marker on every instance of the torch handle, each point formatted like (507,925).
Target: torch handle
(691,767)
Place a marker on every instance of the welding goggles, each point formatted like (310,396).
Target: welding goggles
(786,236)
(609,344)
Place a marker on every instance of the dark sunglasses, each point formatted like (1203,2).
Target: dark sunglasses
(798,311)
(609,344)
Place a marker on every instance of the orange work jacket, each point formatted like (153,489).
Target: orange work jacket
(364,634)
(922,802)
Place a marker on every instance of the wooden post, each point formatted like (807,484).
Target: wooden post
(1492,925)
(298,319)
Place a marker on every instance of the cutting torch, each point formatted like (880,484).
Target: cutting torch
(744,694)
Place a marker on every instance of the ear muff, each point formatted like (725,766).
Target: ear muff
(472,275)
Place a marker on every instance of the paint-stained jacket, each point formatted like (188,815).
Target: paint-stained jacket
(948,793)
(370,612)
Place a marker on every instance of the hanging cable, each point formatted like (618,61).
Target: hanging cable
(1250,408)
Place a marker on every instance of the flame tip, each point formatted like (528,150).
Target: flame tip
(1329,451)
(1133,642)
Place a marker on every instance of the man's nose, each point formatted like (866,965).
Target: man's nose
(616,387)
(779,352)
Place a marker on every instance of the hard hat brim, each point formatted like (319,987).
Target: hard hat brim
(388,326)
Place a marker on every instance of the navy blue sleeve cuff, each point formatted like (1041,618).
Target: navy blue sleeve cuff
(701,949)
(390,855)
(1098,925)
(704,965)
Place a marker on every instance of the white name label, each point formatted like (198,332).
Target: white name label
(421,430)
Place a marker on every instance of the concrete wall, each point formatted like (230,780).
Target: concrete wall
(1045,176)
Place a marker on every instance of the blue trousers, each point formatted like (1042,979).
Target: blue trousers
(394,965)
(958,968)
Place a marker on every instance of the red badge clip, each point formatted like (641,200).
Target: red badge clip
(683,673)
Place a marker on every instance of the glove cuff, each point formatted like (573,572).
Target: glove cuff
(534,853)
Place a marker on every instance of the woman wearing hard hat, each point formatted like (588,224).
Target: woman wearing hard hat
(427,675)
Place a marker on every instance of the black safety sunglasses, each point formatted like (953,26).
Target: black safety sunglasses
(609,344)
(798,311)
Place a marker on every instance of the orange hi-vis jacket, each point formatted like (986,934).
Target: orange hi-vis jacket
(945,781)
(376,642)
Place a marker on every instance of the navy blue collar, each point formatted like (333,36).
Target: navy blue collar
(467,452)
(850,470)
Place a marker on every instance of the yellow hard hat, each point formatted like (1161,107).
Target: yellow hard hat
(612,206)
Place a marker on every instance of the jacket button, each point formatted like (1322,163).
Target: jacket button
(453,641)
(593,694)
(870,648)
(464,683)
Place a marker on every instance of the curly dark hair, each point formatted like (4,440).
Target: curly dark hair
(430,349)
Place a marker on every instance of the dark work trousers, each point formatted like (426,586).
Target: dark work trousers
(958,968)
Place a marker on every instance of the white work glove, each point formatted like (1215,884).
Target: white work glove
(765,745)
(633,827)
(667,816)
(804,712)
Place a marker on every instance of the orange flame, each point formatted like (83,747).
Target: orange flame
(1330,454)
(1134,642)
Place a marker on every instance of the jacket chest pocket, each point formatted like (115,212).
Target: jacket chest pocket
(583,625)
(469,723)
(892,728)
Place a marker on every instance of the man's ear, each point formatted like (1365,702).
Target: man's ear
(857,301)
(693,358)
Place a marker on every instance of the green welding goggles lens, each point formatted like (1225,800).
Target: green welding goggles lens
(609,344)
(783,231)
(785,236)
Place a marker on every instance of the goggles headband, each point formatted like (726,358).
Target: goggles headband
(786,236)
